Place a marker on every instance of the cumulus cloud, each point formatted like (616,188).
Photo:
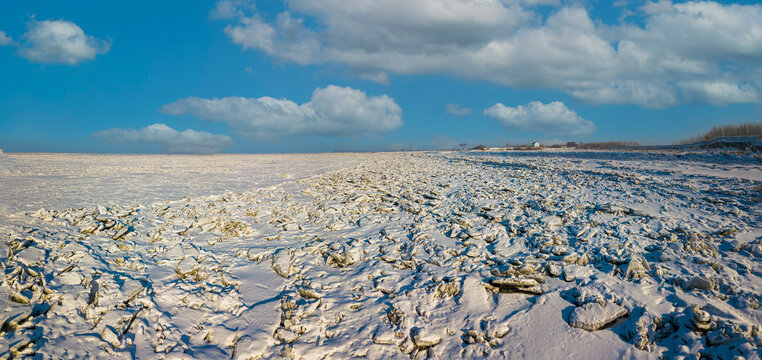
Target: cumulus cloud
(553,118)
(365,33)
(457,110)
(332,111)
(59,41)
(511,43)
(5,40)
(168,139)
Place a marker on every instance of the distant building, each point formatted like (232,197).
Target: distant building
(571,144)
(535,144)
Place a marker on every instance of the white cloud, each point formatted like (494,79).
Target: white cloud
(655,94)
(168,139)
(381,25)
(505,43)
(374,76)
(291,41)
(553,118)
(541,2)
(366,33)
(59,41)
(332,111)
(5,40)
(658,7)
(705,31)
(228,9)
(719,93)
(457,110)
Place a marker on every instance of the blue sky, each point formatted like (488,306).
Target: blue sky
(325,75)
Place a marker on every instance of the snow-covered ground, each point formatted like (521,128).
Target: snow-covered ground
(560,254)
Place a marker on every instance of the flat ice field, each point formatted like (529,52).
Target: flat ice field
(554,255)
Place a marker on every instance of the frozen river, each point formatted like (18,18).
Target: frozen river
(573,255)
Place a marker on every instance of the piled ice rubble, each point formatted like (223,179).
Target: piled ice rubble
(406,255)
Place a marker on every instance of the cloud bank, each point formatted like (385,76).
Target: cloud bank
(56,41)
(553,118)
(680,53)
(332,111)
(168,139)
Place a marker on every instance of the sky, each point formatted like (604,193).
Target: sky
(238,76)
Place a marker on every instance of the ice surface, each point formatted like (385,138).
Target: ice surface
(397,255)
(31,181)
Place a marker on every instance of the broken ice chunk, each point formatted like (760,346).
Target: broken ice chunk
(473,295)
(515,284)
(573,272)
(121,233)
(285,336)
(637,268)
(343,256)
(67,278)
(699,282)
(594,316)
(186,267)
(309,293)
(30,255)
(551,221)
(17,297)
(723,334)
(384,337)
(701,320)
(423,338)
(291,227)
(281,263)
(554,270)
(175,252)
(109,335)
